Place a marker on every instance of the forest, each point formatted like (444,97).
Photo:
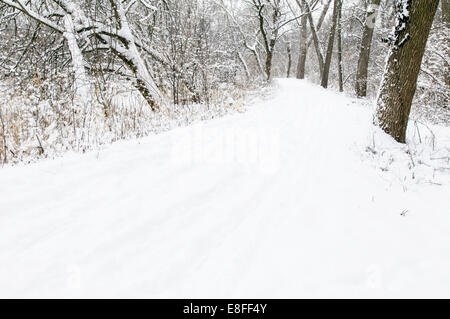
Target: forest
(79,74)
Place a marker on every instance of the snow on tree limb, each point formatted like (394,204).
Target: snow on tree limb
(19,5)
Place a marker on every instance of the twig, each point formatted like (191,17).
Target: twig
(5,159)
(40,144)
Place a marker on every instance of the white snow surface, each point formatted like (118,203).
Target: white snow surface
(283,201)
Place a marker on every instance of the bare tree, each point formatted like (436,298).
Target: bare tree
(269,14)
(118,38)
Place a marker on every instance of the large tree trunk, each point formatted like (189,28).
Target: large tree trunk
(327,63)
(365,47)
(405,57)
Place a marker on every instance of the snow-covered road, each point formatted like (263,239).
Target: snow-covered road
(277,202)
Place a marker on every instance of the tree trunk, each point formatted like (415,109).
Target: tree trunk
(403,65)
(289,66)
(365,47)
(244,64)
(132,57)
(320,22)
(269,65)
(81,82)
(3,146)
(327,63)
(269,38)
(303,48)
(314,35)
(144,82)
(339,43)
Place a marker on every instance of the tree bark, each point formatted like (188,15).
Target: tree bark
(301,66)
(269,38)
(327,63)
(320,22)
(289,66)
(81,82)
(144,80)
(445,7)
(3,146)
(303,48)
(314,35)
(339,43)
(365,47)
(403,65)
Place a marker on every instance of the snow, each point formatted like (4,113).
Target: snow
(289,199)
(402,17)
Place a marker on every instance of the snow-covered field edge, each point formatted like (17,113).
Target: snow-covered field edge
(43,123)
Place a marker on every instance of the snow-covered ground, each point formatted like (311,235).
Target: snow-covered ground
(299,197)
